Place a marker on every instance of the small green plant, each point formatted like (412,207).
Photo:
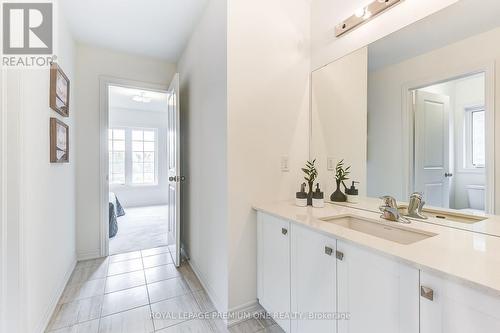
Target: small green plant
(341,173)
(311,174)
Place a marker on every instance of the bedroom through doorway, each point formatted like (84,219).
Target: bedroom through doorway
(137,169)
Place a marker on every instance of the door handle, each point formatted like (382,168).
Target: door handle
(448,174)
(328,250)
(284,231)
(427,293)
(339,255)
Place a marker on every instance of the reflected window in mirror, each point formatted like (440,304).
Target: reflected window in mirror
(475,148)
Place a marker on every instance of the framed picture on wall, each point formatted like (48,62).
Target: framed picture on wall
(59,141)
(59,90)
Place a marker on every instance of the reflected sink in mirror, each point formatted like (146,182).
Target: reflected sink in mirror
(453,216)
(396,234)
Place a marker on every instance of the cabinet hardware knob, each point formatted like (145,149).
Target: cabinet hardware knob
(171,179)
(284,231)
(448,174)
(328,250)
(427,293)
(339,255)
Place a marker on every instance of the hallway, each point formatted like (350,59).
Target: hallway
(120,293)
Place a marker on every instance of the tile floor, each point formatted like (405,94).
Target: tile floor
(118,294)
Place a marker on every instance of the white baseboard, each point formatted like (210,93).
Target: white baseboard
(240,313)
(86,255)
(55,299)
(210,291)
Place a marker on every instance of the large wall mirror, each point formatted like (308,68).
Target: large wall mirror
(414,111)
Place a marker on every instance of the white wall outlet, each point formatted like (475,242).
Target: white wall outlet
(330,163)
(284,164)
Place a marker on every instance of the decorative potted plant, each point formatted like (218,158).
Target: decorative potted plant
(341,174)
(310,177)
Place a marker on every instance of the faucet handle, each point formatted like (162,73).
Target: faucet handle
(389,201)
(418,195)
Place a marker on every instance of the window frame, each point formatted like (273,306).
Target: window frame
(468,138)
(111,151)
(156,159)
(129,156)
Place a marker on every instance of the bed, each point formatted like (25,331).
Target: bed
(115,210)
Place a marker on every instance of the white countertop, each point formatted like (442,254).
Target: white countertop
(468,257)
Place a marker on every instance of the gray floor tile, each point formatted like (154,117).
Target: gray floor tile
(157,260)
(124,281)
(173,311)
(136,320)
(87,327)
(127,266)
(190,326)
(154,251)
(166,289)
(124,300)
(69,314)
(87,289)
(125,256)
(204,301)
(160,273)
(248,326)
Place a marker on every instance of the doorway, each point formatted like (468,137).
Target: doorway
(450,143)
(139,154)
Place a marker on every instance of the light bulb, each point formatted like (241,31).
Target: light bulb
(360,12)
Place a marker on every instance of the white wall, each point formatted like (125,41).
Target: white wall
(93,63)
(384,106)
(268,117)
(40,206)
(326,14)
(143,195)
(203,100)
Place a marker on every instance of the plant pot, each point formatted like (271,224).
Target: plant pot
(310,195)
(338,196)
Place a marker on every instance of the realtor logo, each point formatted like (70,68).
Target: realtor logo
(27,28)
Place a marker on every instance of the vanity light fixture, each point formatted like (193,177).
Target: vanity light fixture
(364,14)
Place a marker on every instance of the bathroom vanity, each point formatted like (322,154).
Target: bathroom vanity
(409,114)
(375,275)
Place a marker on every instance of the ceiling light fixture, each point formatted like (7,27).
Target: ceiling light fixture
(363,15)
(142,98)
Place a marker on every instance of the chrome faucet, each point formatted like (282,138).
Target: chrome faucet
(415,206)
(390,211)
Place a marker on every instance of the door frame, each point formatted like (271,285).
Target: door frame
(104,83)
(407,118)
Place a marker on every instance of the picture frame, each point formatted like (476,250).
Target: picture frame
(59,141)
(59,90)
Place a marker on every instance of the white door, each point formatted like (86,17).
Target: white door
(174,176)
(450,307)
(432,148)
(273,273)
(379,294)
(314,281)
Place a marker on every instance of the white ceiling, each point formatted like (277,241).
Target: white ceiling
(464,19)
(155,28)
(121,97)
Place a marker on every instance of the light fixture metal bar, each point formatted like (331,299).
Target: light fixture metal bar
(373,9)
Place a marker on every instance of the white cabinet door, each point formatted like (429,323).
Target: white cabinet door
(456,308)
(313,280)
(381,295)
(273,275)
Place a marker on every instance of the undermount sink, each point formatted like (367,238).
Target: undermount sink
(446,216)
(398,234)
